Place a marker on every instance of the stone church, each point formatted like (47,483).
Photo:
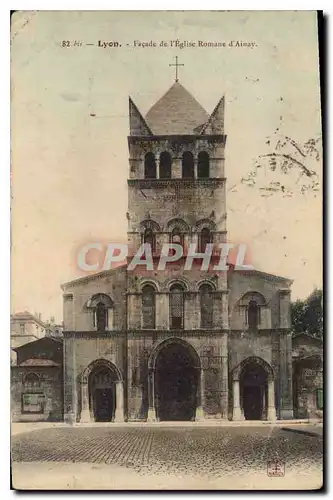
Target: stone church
(175,344)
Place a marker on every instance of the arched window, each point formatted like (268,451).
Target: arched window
(253,315)
(203,165)
(165,165)
(177,236)
(205,237)
(101,317)
(32,383)
(148,307)
(176,307)
(187,165)
(206,306)
(101,307)
(150,166)
(249,308)
(149,239)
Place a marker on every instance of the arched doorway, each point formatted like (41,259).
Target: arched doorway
(176,381)
(102,394)
(102,397)
(254,391)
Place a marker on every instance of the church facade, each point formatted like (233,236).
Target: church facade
(179,343)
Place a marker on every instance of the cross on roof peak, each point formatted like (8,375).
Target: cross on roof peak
(176,66)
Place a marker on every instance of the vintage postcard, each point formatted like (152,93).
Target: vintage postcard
(166,323)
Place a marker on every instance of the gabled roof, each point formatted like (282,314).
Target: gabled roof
(177,112)
(138,126)
(256,272)
(91,277)
(37,343)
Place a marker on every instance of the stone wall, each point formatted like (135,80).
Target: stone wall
(82,350)
(51,385)
(308,379)
(78,317)
(273,290)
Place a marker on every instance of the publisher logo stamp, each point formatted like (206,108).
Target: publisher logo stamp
(275,468)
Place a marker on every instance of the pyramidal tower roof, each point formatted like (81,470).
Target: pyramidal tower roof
(177,112)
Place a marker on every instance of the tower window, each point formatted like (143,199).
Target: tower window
(188,165)
(203,165)
(149,239)
(176,236)
(205,238)
(165,165)
(150,166)
(148,307)
(176,307)
(206,306)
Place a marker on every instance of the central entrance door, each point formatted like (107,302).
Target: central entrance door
(102,394)
(176,383)
(254,391)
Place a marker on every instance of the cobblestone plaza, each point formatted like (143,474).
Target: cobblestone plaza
(209,453)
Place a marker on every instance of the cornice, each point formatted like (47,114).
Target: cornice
(209,332)
(267,276)
(92,334)
(181,138)
(187,183)
(93,276)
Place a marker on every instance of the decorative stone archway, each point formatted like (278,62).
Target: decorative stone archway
(175,360)
(101,380)
(253,390)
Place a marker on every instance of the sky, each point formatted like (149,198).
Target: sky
(69,127)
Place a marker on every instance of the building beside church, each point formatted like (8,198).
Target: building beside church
(175,344)
(24,328)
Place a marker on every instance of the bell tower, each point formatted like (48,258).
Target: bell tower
(177,194)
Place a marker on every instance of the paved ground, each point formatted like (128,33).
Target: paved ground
(212,455)
(311,430)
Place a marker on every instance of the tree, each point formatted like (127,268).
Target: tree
(286,166)
(307,315)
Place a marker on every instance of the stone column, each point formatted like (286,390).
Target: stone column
(286,387)
(225,392)
(157,163)
(271,412)
(285,309)
(225,310)
(224,374)
(70,382)
(199,414)
(195,168)
(151,398)
(85,411)
(237,413)
(119,413)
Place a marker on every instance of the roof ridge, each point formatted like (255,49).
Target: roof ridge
(176,112)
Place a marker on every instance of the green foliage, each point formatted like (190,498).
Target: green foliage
(307,315)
